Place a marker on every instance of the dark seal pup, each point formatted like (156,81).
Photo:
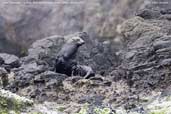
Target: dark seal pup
(83,70)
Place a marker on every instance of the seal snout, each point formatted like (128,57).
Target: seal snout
(81,42)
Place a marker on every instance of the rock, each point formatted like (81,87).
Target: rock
(134,28)
(51,79)
(146,58)
(148,14)
(165,11)
(43,86)
(47,108)
(1,61)
(11,60)
(4,77)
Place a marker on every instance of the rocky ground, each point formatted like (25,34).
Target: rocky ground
(134,79)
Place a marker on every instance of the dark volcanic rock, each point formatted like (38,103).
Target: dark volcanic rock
(45,86)
(1,61)
(148,14)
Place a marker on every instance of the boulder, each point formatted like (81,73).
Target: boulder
(11,60)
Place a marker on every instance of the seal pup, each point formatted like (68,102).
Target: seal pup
(83,70)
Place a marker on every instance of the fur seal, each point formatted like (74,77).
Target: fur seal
(63,62)
(83,70)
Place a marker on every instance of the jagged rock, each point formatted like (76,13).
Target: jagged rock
(146,58)
(42,86)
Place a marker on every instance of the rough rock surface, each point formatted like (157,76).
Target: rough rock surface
(36,77)
(144,67)
(146,56)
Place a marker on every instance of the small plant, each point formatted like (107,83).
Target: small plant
(83,110)
(102,111)
(61,109)
(161,111)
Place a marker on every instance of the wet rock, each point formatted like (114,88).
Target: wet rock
(148,14)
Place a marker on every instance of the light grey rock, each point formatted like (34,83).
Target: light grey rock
(11,60)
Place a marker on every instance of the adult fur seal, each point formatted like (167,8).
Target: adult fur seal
(68,51)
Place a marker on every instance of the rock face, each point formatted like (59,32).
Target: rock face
(28,23)
(146,59)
